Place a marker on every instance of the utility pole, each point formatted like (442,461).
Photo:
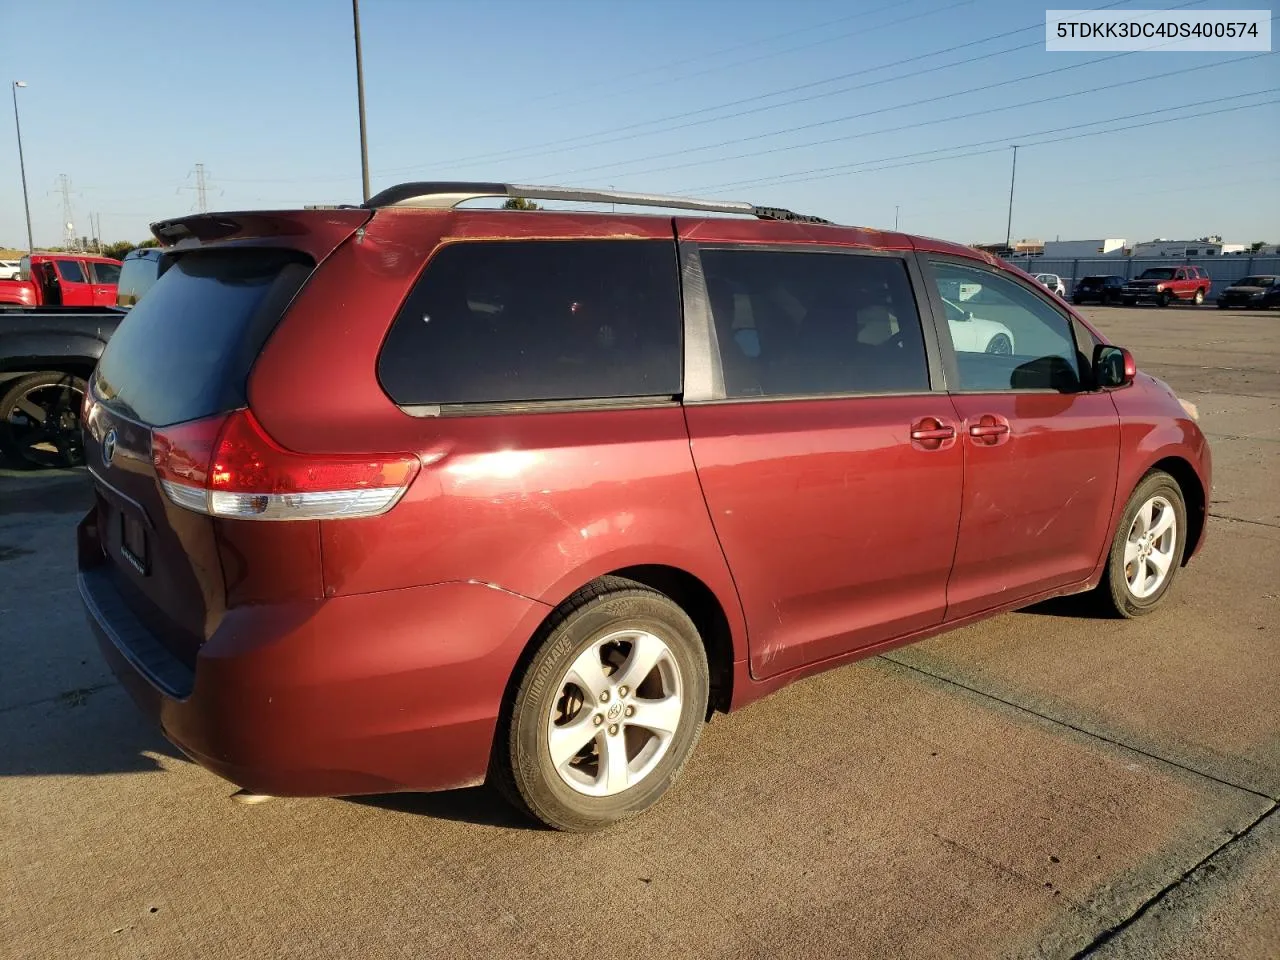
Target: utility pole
(364,142)
(1008,230)
(22,164)
(895,217)
(68,220)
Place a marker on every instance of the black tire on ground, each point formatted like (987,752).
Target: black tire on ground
(521,766)
(1199,298)
(1164,298)
(1113,591)
(54,443)
(1222,305)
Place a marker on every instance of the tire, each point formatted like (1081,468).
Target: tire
(1117,588)
(54,443)
(579,795)
(1199,297)
(1221,305)
(999,344)
(1164,298)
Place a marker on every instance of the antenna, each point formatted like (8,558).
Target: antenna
(68,218)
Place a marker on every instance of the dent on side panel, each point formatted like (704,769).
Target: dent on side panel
(537,504)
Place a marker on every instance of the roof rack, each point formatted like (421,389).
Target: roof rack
(444,195)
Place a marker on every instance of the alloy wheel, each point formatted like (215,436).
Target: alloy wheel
(1150,546)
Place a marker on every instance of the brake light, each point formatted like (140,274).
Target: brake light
(227,466)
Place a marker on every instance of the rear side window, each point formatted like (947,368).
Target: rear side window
(503,321)
(136,277)
(808,324)
(105,272)
(185,351)
(71,271)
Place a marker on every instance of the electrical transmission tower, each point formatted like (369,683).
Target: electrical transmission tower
(201,187)
(68,219)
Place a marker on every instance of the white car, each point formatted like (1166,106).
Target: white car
(1053,282)
(972,334)
(9,269)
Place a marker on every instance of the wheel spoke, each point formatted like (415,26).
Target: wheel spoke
(588,673)
(646,651)
(566,741)
(1160,562)
(32,409)
(660,716)
(1163,523)
(1144,516)
(614,772)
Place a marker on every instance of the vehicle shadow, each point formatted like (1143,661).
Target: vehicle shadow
(478,805)
(1080,606)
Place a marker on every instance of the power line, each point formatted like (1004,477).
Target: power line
(951,118)
(535,150)
(826,173)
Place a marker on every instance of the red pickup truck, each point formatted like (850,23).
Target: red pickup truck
(63,279)
(1164,285)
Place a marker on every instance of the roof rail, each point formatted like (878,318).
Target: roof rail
(445,194)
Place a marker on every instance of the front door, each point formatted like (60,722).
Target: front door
(1041,449)
(77,291)
(830,464)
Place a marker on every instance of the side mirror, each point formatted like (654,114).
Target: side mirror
(1113,366)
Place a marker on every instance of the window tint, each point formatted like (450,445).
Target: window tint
(71,271)
(1005,336)
(105,272)
(137,276)
(804,324)
(186,349)
(503,321)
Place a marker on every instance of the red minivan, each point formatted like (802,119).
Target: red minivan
(418,495)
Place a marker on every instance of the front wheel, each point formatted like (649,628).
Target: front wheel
(1164,298)
(1147,549)
(607,711)
(1000,344)
(1221,305)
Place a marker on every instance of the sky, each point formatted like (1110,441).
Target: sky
(847,110)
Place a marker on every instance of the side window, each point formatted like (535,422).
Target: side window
(808,324)
(1005,336)
(71,271)
(105,272)
(498,321)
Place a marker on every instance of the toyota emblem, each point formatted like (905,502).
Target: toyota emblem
(109,446)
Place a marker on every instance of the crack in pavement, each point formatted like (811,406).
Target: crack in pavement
(1259,523)
(1078,729)
(1106,935)
(74,697)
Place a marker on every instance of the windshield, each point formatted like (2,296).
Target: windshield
(1161,274)
(1255,282)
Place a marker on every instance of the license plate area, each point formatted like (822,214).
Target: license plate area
(133,542)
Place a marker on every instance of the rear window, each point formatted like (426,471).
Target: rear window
(185,351)
(503,321)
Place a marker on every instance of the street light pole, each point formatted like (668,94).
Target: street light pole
(364,143)
(22,164)
(895,217)
(1008,230)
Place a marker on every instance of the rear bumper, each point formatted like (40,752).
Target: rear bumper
(361,694)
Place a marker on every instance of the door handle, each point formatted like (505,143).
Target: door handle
(931,433)
(989,429)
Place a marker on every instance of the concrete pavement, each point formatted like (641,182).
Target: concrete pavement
(1043,784)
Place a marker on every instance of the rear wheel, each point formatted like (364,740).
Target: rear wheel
(40,420)
(607,711)
(1199,297)
(1147,549)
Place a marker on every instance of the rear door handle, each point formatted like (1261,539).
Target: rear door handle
(931,433)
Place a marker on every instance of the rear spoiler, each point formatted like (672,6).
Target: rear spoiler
(315,232)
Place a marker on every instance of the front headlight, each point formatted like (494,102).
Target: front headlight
(1159,287)
(1191,410)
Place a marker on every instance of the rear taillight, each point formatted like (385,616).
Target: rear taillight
(227,466)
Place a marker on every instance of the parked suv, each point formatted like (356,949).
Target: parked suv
(413,496)
(1164,285)
(1104,289)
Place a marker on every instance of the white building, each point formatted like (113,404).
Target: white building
(1081,249)
(1204,247)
